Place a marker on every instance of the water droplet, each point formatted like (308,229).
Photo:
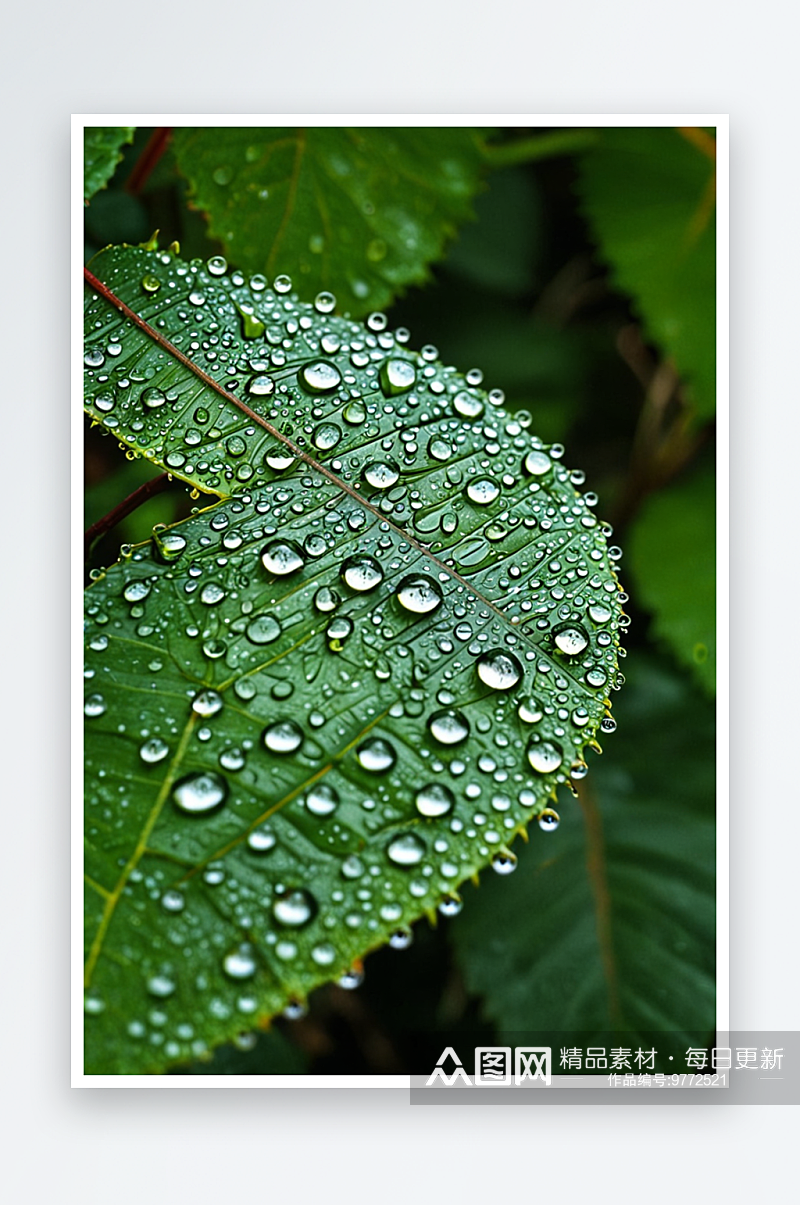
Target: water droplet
(326,436)
(169,545)
(401,939)
(94,706)
(439,449)
(294,908)
(419,594)
(549,821)
(262,839)
(150,283)
(354,413)
(600,613)
(483,490)
(278,460)
(200,793)
(207,703)
(504,862)
(260,386)
(351,979)
(361,573)
(578,770)
(608,725)
(376,755)
(320,376)
(136,591)
(537,463)
(434,800)
(160,986)
(94,357)
(263,629)
(406,850)
(530,711)
(381,474)
(284,736)
(326,600)
(152,398)
(324,303)
(240,963)
(322,800)
(448,727)
(173,901)
(544,756)
(282,558)
(154,751)
(212,593)
(571,639)
(397,376)
(467,405)
(222,175)
(282,283)
(499,670)
(217,265)
(324,954)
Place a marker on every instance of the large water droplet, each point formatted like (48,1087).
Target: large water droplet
(320,376)
(284,736)
(448,727)
(361,573)
(381,474)
(397,376)
(571,639)
(467,405)
(549,821)
(153,397)
(295,908)
(169,545)
(600,613)
(207,703)
(376,755)
(282,558)
(419,594)
(504,862)
(483,490)
(322,800)
(499,670)
(326,436)
(544,756)
(434,800)
(530,710)
(263,629)
(406,850)
(537,463)
(200,793)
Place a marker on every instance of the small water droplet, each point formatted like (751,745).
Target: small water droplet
(94,706)
(467,405)
(294,908)
(217,265)
(160,986)
(260,386)
(153,398)
(240,963)
(261,840)
(263,629)
(483,490)
(154,751)
(401,939)
(326,436)
(499,670)
(599,613)
(173,901)
(530,710)
(537,463)
(504,862)
(324,303)
(326,599)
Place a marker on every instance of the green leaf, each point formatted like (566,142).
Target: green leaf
(677,527)
(101,154)
(608,923)
(400,616)
(360,212)
(649,197)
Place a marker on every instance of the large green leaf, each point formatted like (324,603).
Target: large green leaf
(316,707)
(361,212)
(611,927)
(650,200)
(677,526)
(102,151)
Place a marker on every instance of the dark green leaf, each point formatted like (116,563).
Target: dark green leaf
(300,699)
(359,212)
(101,154)
(649,197)
(672,554)
(609,922)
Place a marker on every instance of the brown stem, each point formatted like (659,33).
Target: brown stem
(154,149)
(150,488)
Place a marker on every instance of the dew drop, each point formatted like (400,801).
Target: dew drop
(160,986)
(154,751)
(94,706)
(326,436)
(217,265)
(326,600)
(419,594)
(451,905)
(549,821)
(381,474)
(207,703)
(294,908)
(401,939)
(282,558)
(263,629)
(397,376)
(439,449)
(200,793)
(136,591)
(240,963)
(504,862)
(376,755)
(324,303)
(544,756)
(599,613)
(406,850)
(279,460)
(322,800)
(284,736)
(324,954)
(152,398)
(261,840)
(212,593)
(499,670)
(260,386)
(361,573)
(537,463)
(530,710)
(571,639)
(434,800)
(320,376)
(482,491)
(467,405)
(448,727)
(173,901)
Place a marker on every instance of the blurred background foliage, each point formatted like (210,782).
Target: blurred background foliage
(583,285)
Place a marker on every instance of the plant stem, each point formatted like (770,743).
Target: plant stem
(154,149)
(150,488)
(540,146)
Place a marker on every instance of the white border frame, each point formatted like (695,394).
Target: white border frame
(79,121)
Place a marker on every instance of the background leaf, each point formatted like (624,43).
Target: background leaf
(677,527)
(649,196)
(612,926)
(316,707)
(360,212)
(102,151)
